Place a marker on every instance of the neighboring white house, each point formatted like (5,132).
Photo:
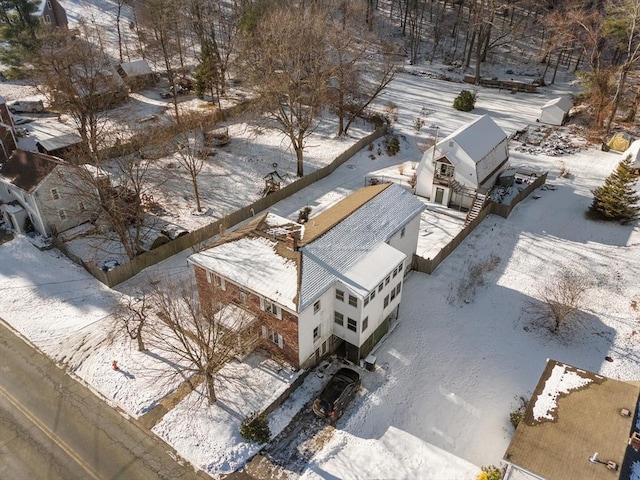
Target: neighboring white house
(555,111)
(464,164)
(43,189)
(578,425)
(332,283)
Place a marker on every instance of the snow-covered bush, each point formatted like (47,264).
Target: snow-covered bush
(255,428)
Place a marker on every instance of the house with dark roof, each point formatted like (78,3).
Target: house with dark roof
(52,13)
(462,167)
(331,284)
(578,425)
(42,191)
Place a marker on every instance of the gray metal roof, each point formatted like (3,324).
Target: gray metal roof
(330,256)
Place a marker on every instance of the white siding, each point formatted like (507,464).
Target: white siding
(308,320)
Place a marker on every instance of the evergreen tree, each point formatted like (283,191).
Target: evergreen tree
(617,199)
(18,30)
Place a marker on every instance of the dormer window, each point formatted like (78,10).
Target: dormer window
(55,194)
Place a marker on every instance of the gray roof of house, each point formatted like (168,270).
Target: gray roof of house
(330,256)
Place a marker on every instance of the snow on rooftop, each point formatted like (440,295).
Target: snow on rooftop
(560,381)
(137,67)
(338,250)
(362,278)
(477,139)
(253,263)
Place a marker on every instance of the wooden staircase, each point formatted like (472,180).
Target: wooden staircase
(476,207)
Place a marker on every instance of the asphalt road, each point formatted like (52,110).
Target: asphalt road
(52,427)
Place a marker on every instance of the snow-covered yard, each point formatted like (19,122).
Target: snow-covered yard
(437,407)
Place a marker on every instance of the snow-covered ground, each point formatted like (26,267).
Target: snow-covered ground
(437,407)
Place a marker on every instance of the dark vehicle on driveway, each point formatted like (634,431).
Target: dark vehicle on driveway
(336,394)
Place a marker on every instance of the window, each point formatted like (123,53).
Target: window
(398,288)
(387,280)
(47,18)
(373,294)
(270,307)
(380,287)
(55,194)
(216,280)
(403,231)
(366,300)
(62,214)
(395,272)
(340,295)
(316,333)
(400,267)
(49,5)
(365,323)
(352,325)
(338,318)
(353,301)
(386,301)
(81,206)
(273,336)
(393,294)
(243,298)
(316,307)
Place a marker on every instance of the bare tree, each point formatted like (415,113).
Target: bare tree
(623,21)
(191,155)
(286,65)
(587,29)
(200,338)
(362,64)
(133,315)
(560,297)
(78,78)
(162,38)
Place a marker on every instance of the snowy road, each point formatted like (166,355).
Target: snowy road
(72,433)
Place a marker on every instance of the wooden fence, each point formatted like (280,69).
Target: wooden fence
(134,266)
(428,265)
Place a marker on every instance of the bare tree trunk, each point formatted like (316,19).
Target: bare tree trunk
(555,70)
(211,389)
(118,15)
(615,103)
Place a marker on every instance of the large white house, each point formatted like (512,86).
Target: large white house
(464,164)
(332,283)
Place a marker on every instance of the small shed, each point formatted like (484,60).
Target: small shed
(60,146)
(137,74)
(555,111)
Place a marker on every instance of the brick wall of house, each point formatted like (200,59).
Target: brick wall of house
(287,326)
